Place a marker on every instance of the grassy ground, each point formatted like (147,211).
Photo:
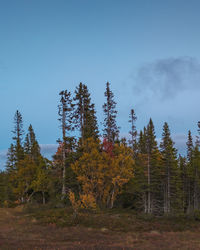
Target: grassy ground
(44,228)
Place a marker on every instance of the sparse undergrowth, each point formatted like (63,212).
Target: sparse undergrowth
(115,220)
(43,227)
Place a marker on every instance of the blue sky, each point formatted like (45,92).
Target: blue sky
(147,49)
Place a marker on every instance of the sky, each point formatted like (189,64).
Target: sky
(147,49)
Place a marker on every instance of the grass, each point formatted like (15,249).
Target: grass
(43,227)
(114,220)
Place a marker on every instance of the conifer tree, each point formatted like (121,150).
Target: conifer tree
(148,174)
(15,152)
(111,130)
(18,133)
(139,183)
(182,163)
(85,114)
(133,131)
(190,173)
(11,159)
(196,177)
(31,146)
(151,147)
(170,169)
(65,109)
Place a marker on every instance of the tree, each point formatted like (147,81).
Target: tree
(111,130)
(190,172)
(23,179)
(196,177)
(65,109)
(182,163)
(133,131)
(170,170)
(101,175)
(31,146)
(42,181)
(90,120)
(85,114)
(11,159)
(15,152)
(18,133)
(151,148)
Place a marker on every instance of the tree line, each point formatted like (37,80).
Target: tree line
(97,169)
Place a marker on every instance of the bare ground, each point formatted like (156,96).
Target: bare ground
(19,231)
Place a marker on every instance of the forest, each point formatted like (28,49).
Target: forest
(97,170)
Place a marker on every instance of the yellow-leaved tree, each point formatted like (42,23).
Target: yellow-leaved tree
(101,174)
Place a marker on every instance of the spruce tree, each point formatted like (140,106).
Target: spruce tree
(18,133)
(133,132)
(31,146)
(111,130)
(84,114)
(190,173)
(65,109)
(196,176)
(170,171)
(148,172)
(182,163)
(151,147)
(11,159)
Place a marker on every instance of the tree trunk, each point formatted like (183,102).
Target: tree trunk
(43,198)
(63,153)
(149,183)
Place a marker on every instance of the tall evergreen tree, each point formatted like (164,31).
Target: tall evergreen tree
(196,176)
(190,173)
(31,146)
(18,133)
(133,131)
(182,163)
(85,114)
(151,147)
(148,174)
(11,159)
(65,109)
(111,130)
(170,169)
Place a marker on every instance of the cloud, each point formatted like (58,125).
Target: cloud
(47,150)
(3,158)
(168,77)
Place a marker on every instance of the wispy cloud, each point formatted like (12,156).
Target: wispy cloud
(166,78)
(48,149)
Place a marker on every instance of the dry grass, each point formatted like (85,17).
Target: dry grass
(55,229)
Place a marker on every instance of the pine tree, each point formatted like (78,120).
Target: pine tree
(170,169)
(148,171)
(111,130)
(196,177)
(85,114)
(11,159)
(190,173)
(151,147)
(18,133)
(133,132)
(182,163)
(65,109)
(139,183)
(15,152)
(31,146)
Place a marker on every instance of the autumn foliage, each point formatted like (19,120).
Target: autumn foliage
(102,176)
